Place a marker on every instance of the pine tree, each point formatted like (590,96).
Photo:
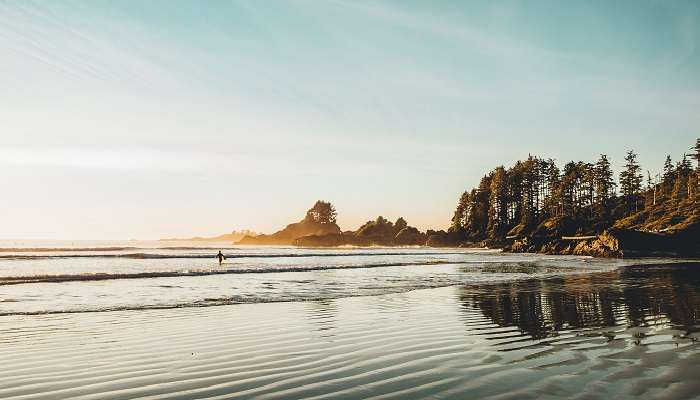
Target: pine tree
(589,182)
(631,181)
(668,177)
(684,167)
(498,204)
(604,186)
(459,220)
(530,191)
(551,179)
(682,185)
(479,216)
(696,155)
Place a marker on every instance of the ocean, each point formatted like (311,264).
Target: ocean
(135,319)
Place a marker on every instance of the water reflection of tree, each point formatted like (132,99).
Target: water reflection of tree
(633,297)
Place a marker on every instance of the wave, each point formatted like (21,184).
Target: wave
(108,248)
(212,256)
(57,249)
(289,298)
(17,280)
(231,300)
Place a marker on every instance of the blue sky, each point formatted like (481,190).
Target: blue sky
(147,119)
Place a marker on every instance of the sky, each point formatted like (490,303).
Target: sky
(149,119)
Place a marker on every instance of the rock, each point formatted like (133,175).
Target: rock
(633,243)
(293,231)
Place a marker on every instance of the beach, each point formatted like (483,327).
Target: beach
(440,324)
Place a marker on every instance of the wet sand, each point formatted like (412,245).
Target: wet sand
(631,333)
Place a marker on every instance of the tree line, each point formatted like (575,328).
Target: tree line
(515,200)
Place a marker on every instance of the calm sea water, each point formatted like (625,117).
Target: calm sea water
(164,320)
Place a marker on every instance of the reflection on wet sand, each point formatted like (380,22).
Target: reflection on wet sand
(641,296)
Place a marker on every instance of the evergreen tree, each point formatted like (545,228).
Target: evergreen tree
(682,185)
(529,191)
(668,177)
(684,167)
(589,181)
(498,204)
(551,181)
(604,186)
(479,216)
(459,219)
(631,181)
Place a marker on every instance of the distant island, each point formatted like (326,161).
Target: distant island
(318,228)
(234,236)
(534,206)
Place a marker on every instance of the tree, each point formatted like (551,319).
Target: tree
(683,185)
(529,188)
(400,224)
(551,181)
(588,188)
(604,186)
(322,212)
(696,156)
(532,196)
(567,190)
(684,167)
(498,203)
(668,177)
(650,194)
(461,215)
(479,216)
(631,181)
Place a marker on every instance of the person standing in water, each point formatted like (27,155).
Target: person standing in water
(220,257)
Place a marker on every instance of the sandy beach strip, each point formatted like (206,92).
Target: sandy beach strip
(402,346)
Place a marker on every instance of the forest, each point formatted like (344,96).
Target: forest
(535,203)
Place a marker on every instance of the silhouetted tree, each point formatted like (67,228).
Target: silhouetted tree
(498,204)
(696,155)
(604,187)
(478,218)
(550,182)
(682,186)
(631,181)
(668,177)
(460,217)
(322,212)
(400,224)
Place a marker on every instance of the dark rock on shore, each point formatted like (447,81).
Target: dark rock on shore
(617,242)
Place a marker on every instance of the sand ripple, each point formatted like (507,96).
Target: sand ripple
(454,342)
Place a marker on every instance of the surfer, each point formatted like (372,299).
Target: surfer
(220,257)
